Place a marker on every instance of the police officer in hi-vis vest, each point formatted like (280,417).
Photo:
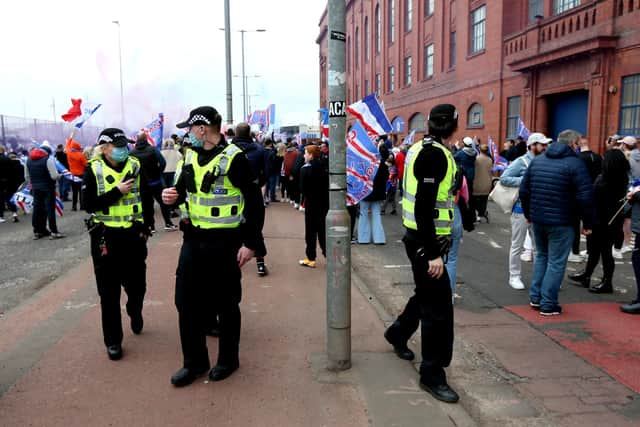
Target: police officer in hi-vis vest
(429,190)
(111,194)
(215,184)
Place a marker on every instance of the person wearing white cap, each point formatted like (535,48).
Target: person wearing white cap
(512,177)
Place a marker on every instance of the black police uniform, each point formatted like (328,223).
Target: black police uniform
(119,256)
(208,277)
(431,305)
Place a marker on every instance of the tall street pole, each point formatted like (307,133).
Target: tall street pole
(244,82)
(121,85)
(227,49)
(338,223)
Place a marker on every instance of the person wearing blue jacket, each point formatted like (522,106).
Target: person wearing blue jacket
(555,191)
(512,177)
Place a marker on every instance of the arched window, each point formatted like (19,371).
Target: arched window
(378,29)
(475,116)
(366,39)
(418,122)
(357,47)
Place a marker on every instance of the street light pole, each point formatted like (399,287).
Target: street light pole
(244,81)
(227,47)
(121,85)
(338,223)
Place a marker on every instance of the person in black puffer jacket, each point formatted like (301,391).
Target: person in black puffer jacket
(555,192)
(152,165)
(373,202)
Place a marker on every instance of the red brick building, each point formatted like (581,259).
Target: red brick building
(555,64)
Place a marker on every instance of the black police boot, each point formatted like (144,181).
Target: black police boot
(604,287)
(114,352)
(186,376)
(137,322)
(401,350)
(221,372)
(441,392)
(582,279)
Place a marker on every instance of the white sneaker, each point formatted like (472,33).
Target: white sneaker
(296,206)
(516,283)
(575,258)
(625,249)
(2,220)
(301,209)
(526,256)
(617,254)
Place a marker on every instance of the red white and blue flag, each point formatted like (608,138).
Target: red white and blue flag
(371,114)
(154,131)
(363,161)
(325,122)
(79,112)
(263,118)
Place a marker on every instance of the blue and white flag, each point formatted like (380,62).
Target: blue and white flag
(65,172)
(522,130)
(371,114)
(409,139)
(363,160)
(87,112)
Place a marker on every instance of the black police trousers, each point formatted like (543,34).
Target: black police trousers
(432,308)
(123,265)
(208,282)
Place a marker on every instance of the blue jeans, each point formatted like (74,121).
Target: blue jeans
(553,243)
(452,258)
(365,227)
(272,183)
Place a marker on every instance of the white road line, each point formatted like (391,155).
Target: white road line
(481,233)
(494,244)
(398,266)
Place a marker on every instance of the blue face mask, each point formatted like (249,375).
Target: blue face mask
(195,142)
(120,154)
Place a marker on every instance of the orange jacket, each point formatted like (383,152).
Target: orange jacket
(75,157)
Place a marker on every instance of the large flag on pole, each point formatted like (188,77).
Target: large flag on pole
(371,114)
(87,112)
(363,160)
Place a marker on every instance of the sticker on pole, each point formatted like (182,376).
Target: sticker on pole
(337,78)
(338,109)
(339,36)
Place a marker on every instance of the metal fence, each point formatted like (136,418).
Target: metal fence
(18,133)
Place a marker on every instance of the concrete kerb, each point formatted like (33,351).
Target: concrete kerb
(458,414)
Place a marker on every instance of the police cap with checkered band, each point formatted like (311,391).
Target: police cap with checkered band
(207,116)
(114,136)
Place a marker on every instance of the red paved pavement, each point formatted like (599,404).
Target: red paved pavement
(598,332)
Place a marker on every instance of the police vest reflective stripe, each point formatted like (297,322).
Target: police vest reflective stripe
(223,205)
(128,208)
(443,214)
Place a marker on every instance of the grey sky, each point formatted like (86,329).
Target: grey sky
(173,57)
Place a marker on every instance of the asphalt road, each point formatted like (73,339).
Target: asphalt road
(27,265)
(483,274)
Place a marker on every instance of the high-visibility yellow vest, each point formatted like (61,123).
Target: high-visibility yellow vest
(223,205)
(129,207)
(446,189)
